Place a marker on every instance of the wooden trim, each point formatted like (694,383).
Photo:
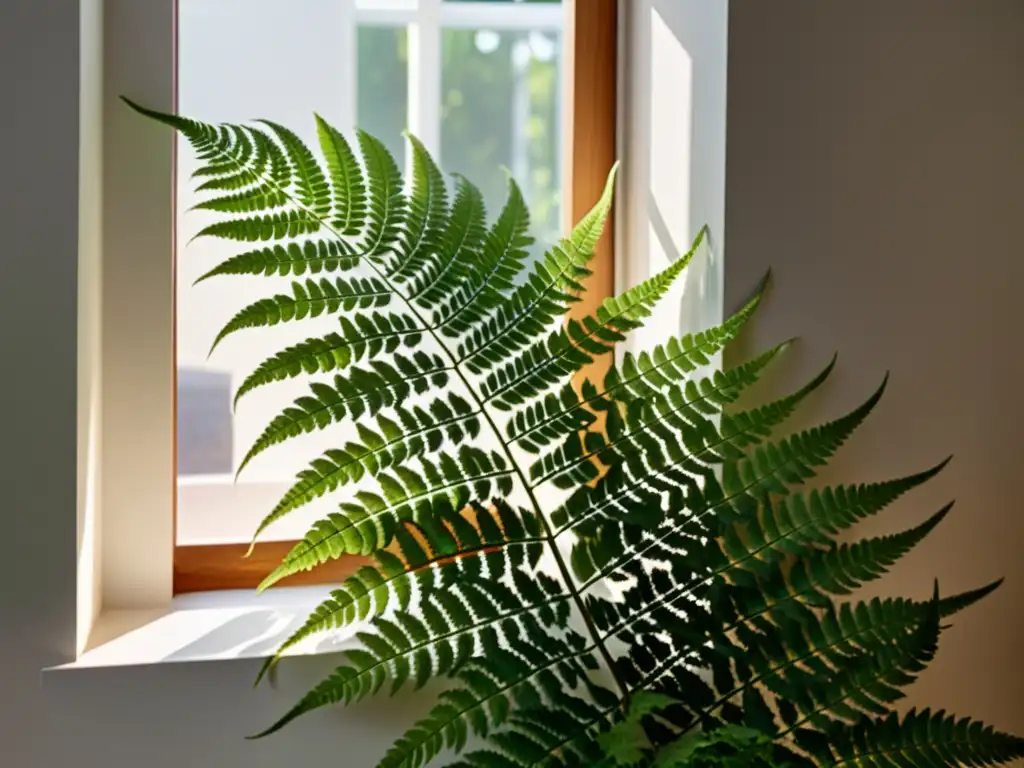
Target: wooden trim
(175,57)
(591,90)
(201,568)
(591,79)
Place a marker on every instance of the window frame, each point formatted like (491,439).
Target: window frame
(142,564)
(215,507)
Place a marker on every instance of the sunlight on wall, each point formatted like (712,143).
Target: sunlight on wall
(90,243)
(88,584)
(671,142)
(673,147)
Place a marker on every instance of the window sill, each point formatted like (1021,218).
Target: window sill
(201,627)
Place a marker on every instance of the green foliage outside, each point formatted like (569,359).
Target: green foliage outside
(476,124)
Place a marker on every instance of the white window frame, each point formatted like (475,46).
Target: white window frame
(138,488)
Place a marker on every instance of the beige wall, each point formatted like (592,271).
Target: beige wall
(875,163)
(39,218)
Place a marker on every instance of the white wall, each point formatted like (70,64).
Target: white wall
(876,151)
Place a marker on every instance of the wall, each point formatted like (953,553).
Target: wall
(38,290)
(875,157)
(90,349)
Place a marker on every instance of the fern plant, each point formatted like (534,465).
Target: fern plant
(555,552)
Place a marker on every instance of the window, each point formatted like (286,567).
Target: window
(483,84)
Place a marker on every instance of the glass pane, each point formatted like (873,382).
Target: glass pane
(555,2)
(500,103)
(383,86)
(500,100)
(386,5)
(225,74)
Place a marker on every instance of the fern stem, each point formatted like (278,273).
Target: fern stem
(657,417)
(789,662)
(671,662)
(685,522)
(553,544)
(563,569)
(683,590)
(903,749)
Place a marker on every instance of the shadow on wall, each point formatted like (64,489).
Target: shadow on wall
(235,636)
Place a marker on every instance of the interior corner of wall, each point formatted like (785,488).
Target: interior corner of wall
(90,245)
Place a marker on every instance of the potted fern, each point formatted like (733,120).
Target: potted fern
(623,573)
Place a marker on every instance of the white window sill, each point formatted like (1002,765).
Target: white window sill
(207,626)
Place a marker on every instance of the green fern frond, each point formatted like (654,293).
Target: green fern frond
(361,391)
(261,198)
(956,603)
(309,299)
(530,674)
(243,148)
(420,567)
(461,244)
(799,521)
(363,527)
(203,135)
(236,173)
(442,639)
(386,204)
(844,661)
(569,730)
(637,377)
(365,336)
(772,466)
(553,284)
(675,425)
(800,649)
(293,259)
(274,226)
(615,497)
(841,569)
(598,558)
(427,218)
(563,353)
(679,477)
(697,566)
(349,189)
(484,281)
(417,432)
(310,183)
(866,682)
(923,738)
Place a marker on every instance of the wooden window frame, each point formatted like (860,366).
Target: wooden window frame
(591,42)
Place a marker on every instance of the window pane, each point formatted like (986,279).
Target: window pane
(349,62)
(383,86)
(226,74)
(500,101)
(555,2)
